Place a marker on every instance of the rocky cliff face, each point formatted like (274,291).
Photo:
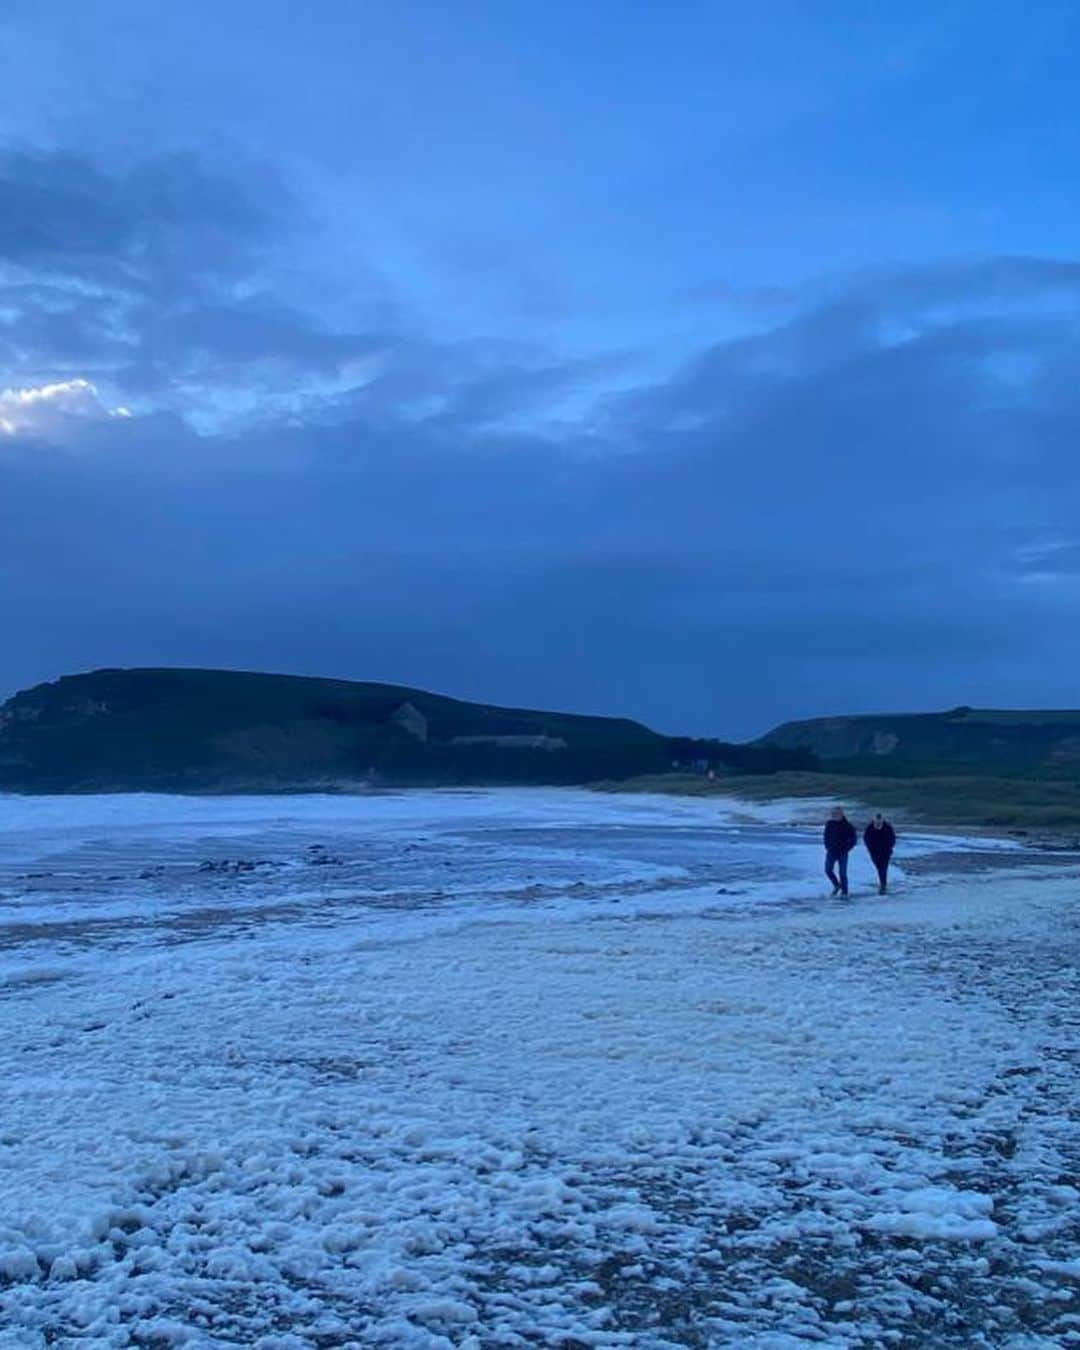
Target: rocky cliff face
(961,741)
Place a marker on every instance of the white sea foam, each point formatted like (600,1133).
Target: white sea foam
(516,1068)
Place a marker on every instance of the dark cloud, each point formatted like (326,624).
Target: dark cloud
(980,281)
(831,514)
(164,215)
(120,274)
(155,280)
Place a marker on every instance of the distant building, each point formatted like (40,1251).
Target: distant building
(705,766)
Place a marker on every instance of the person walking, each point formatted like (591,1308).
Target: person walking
(840,839)
(880,840)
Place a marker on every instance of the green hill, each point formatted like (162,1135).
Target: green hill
(217,731)
(964,741)
(213,730)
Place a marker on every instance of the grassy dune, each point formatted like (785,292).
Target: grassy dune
(987,803)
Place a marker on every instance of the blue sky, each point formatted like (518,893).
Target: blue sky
(706,364)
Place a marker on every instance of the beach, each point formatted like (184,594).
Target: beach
(532,1067)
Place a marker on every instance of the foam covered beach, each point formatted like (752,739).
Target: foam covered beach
(519,1068)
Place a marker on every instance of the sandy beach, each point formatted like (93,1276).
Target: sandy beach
(651,1111)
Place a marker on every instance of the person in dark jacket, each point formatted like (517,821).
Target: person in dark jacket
(840,839)
(880,840)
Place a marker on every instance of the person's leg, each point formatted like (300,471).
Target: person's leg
(843,872)
(830,872)
(882,865)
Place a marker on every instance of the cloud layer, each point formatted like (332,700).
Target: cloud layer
(630,375)
(836,510)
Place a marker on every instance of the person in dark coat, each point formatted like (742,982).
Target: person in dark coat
(880,840)
(840,839)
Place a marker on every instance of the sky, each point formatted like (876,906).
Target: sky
(708,364)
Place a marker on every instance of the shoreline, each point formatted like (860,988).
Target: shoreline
(1042,814)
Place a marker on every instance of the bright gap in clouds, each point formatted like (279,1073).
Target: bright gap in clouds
(42,407)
